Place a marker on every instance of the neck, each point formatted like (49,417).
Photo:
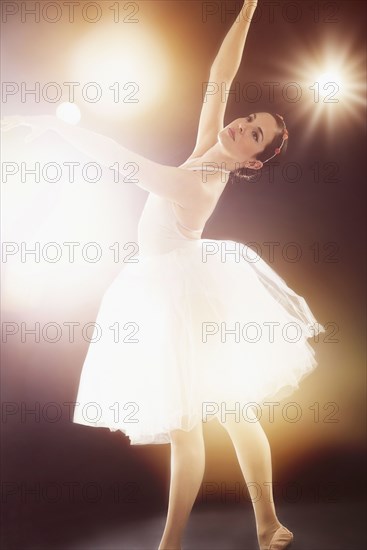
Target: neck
(214,157)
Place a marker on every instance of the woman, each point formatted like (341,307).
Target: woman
(179,362)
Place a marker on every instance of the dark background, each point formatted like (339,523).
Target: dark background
(62,481)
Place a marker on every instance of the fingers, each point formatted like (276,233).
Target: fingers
(10,122)
(5,127)
(5,124)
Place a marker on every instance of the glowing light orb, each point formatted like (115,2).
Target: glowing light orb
(330,83)
(332,80)
(120,73)
(68,112)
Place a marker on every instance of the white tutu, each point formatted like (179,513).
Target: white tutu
(184,331)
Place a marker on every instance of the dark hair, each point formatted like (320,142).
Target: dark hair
(248,173)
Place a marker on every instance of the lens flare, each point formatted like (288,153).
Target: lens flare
(329,84)
(332,79)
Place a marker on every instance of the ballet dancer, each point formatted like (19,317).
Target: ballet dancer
(170,373)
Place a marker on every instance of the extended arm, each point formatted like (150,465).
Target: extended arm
(175,184)
(222,73)
(168,182)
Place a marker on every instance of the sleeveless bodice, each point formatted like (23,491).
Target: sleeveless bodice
(159,230)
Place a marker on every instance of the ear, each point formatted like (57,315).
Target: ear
(253,164)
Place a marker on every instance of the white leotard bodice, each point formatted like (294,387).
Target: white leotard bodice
(159,230)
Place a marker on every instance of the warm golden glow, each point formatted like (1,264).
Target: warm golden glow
(44,211)
(121,74)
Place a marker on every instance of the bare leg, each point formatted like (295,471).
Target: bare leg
(187,470)
(254,456)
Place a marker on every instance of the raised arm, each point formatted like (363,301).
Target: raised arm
(222,73)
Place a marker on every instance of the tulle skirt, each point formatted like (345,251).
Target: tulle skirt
(182,334)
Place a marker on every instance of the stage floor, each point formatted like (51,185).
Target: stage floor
(326,526)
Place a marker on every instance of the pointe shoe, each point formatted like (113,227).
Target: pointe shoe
(282,538)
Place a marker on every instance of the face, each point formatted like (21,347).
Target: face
(244,138)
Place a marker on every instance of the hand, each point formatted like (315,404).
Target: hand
(250,4)
(10,122)
(39,124)
(249,7)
